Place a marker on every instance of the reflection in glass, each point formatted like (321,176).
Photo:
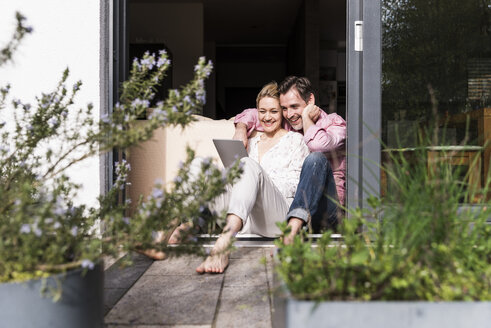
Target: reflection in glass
(436,76)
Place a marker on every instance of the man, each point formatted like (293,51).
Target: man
(322,180)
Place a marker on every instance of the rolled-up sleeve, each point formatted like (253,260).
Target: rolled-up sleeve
(250,118)
(327,135)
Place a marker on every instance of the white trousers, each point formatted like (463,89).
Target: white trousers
(255,200)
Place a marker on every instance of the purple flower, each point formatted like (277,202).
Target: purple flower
(74,231)
(5,89)
(139,102)
(136,63)
(38,232)
(25,228)
(157,193)
(59,211)
(16,102)
(126,220)
(148,62)
(52,122)
(87,264)
(57,225)
(162,61)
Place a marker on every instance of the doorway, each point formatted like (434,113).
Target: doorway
(250,43)
(253,42)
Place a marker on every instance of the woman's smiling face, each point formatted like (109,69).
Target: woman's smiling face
(270,115)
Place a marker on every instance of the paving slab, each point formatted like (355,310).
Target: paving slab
(125,277)
(246,272)
(158,326)
(111,297)
(244,307)
(185,265)
(247,252)
(168,300)
(270,270)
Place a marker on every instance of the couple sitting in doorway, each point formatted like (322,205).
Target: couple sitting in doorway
(295,169)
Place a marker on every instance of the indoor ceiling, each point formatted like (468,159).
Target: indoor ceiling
(262,22)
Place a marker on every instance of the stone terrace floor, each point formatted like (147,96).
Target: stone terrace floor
(169,293)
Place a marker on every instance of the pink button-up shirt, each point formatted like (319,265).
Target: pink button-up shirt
(328,136)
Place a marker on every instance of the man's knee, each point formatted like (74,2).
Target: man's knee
(316,159)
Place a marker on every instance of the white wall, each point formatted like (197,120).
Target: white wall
(66,34)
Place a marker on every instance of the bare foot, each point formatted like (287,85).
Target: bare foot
(295,225)
(176,236)
(217,262)
(152,253)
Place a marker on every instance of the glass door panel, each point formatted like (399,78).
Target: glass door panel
(436,83)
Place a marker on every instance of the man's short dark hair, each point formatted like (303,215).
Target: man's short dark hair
(302,84)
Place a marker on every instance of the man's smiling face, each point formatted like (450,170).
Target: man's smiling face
(292,106)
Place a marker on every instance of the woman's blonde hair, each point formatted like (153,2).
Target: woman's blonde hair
(269,90)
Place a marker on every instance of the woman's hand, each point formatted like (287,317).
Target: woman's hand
(241,133)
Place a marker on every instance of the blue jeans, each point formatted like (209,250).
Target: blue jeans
(316,197)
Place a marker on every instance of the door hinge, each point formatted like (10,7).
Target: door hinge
(358,35)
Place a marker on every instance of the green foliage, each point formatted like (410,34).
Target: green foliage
(431,43)
(42,230)
(415,244)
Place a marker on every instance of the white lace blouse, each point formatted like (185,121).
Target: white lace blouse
(282,162)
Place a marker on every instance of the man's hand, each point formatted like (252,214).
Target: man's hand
(241,133)
(315,113)
(309,112)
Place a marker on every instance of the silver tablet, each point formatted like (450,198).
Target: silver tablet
(230,150)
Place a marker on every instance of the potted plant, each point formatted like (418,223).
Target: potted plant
(51,247)
(415,258)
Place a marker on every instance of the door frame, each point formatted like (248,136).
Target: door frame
(364,99)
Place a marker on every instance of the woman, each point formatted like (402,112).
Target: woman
(266,188)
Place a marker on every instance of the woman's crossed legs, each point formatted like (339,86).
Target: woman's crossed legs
(255,198)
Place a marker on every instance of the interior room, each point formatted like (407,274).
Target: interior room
(250,44)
